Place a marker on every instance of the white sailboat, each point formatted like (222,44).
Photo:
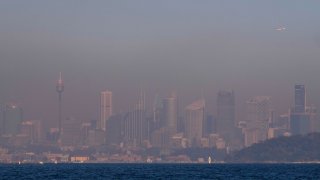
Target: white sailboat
(209,160)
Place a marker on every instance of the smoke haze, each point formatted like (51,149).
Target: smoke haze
(159,46)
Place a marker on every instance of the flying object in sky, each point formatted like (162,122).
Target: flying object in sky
(280,29)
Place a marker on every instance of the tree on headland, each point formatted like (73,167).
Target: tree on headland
(299,148)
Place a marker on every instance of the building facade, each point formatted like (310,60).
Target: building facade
(105,109)
(170,112)
(303,118)
(258,117)
(195,114)
(225,122)
(299,98)
(12,118)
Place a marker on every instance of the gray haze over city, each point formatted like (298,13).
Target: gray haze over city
(196,48)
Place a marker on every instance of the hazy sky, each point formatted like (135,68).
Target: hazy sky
(188,46)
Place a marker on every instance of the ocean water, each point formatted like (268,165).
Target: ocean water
(160,171)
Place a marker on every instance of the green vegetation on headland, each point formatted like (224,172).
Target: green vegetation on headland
(299,148)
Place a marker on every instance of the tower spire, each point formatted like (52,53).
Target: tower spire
(59,89)
(60,85)
(60,79)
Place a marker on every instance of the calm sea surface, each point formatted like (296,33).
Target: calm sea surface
(160,171)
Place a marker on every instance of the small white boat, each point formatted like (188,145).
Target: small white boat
(149,160)
(209,160)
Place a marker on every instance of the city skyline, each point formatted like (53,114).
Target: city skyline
(254,48)
(210,99)
(165,131)
(159,81)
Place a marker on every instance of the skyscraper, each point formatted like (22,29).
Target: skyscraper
(70,132)
(166,113)
(225,124)
(314,122)
(12,118)
(301,119)
(299,98)
(157,114)
(32,129)
(258,116)
(60,89)
(105,108)
(300,123)
(114,129)
(135,124)
(195,114)
(170,112)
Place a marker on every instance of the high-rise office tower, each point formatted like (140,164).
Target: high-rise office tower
(33,130)
(114,131)
(135,125)
(71,132)
(313,118)
(170,112)
(195,114)
(301,118)
(2,108)
(84,132)
(299,98)
(157,114)
(105,108)
(60,89)
(166,113)
(12,118)
(258,116)
(225,123)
